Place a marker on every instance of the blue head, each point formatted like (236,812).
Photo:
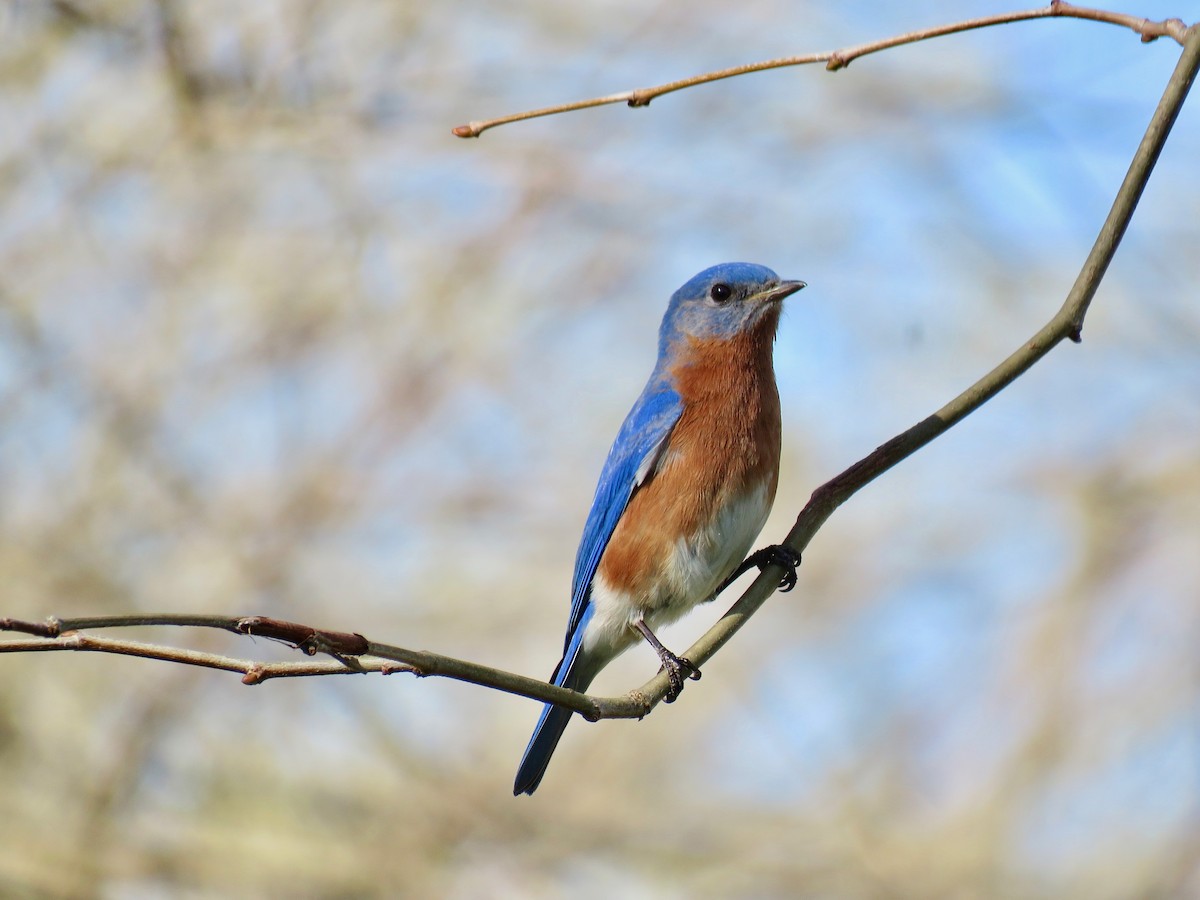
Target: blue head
(724,301)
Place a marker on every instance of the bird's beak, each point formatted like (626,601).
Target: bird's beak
(781,290)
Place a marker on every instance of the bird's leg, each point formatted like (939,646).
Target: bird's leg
(675,666)
(774,555)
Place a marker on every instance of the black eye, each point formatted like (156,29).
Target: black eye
(721,292)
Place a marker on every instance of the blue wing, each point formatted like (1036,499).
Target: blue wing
(631,460)
(634,455)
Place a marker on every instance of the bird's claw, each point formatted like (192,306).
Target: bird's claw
(678,668)
(773,555)
(779,555)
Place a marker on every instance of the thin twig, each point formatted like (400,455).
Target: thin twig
(1067,324)
(354,653)
(839,59)
(253,672)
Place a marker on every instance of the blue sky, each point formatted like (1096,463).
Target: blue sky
(343,351)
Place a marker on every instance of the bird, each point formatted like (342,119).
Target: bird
(684,491)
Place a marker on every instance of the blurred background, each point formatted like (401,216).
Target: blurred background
(273,341)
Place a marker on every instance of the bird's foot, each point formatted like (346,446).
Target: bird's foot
(773,555)
(678,668)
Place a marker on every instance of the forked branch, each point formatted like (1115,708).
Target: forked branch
(353,653)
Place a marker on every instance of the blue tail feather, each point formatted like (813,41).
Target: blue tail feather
(541,747)
(572,673)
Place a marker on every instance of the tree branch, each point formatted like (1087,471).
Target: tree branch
(347,651)
(839,59)
(1067,323)
(353,653)
(253,672)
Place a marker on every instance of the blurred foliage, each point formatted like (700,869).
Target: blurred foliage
(272,341)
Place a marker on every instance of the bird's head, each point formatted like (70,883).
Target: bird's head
(725,301)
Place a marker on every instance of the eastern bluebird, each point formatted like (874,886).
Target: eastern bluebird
(685,490)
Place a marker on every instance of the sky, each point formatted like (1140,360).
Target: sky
(273,340)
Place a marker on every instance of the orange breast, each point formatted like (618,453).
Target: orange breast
(725,444)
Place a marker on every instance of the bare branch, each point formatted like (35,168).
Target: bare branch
(1067,324)
(353,653)
(839,59)
(253,672)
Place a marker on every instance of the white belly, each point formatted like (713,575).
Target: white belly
(696,567)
